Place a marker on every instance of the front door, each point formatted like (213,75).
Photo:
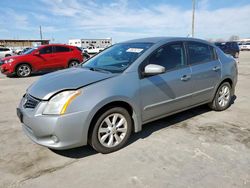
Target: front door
(168,92)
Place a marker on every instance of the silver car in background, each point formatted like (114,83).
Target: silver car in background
(127,85)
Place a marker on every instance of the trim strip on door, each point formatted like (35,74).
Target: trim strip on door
(172,100)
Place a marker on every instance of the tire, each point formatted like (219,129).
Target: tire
(236,55)
(111,136)
(7,55)
(73,63)
(23,70)
(223,97)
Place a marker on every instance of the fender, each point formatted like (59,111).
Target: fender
(136,116)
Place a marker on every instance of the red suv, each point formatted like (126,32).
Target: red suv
(46,57)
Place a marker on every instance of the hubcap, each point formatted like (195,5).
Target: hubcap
(112,130)
(73,64)
(24,70)
(224,96)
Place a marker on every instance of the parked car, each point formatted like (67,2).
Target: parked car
(24,50)
(47,57)
(231,48)
(18,50)
(5,52)
(245,46)
(93,50)
(127,85)
(85,54)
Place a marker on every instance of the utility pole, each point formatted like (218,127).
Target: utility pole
(193,16)
(41,34)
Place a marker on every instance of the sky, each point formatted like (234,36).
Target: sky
(121,20)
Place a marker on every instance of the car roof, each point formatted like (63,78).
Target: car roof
(56,45)
(164,39)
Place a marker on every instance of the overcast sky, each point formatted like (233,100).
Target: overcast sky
(122,19)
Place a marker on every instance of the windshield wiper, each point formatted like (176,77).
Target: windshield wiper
(98,69)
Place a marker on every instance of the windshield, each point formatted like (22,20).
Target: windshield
(117,58)
(30,51)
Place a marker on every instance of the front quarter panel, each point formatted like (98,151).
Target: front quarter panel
(123,88)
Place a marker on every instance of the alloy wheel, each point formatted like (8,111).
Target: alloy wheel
(73,64)
(112,130)
(24,70)
(224,96)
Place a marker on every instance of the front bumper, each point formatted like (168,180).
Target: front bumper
(6,69)
(54,131)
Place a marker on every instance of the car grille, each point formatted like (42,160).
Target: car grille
(30,102)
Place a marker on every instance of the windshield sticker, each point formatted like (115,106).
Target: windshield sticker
(134,50)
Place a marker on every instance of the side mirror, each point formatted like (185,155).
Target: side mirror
(153,69)
(37,53)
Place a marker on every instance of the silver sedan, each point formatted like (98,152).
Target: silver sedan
(114,93)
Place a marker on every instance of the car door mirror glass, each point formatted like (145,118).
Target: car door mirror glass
(153,69)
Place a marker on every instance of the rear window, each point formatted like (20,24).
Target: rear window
(200,53)
(232,44)
(79,49)
(4,49)
(61,49)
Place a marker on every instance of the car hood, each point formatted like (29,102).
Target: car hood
(72,78)
(10,57)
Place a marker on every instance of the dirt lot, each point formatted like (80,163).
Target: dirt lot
(197,148)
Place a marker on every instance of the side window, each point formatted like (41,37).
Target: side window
(46,50)
(171,56)
(199,53)
(61,49)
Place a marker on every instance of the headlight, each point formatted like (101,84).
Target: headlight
(59,103)
(9,60)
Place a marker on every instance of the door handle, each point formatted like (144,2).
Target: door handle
(216,68)
(185,77)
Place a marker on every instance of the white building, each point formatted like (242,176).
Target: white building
(85,43)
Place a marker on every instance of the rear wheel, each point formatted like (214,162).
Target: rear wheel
(111,130)
(23,70)
(236,55)
(73,64)
(222,97)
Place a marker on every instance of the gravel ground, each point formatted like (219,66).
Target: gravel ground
(196,148)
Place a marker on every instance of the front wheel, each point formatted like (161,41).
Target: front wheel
(222,97)
(23,70)
(111,130)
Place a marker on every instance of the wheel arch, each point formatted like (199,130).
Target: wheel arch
(22,63)
(226,79)
(73,59)
(136,126)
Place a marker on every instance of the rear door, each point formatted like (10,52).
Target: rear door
(206,70)
(62,54)
(168,92)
